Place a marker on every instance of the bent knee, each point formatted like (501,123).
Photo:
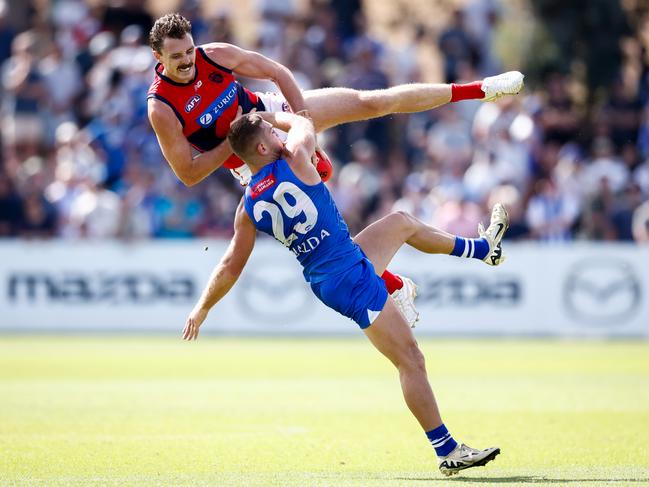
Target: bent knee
(401,219)
(412,358)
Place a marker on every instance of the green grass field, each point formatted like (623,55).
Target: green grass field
(315,412)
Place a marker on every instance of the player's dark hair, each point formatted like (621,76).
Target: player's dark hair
(244,133)
(171,25)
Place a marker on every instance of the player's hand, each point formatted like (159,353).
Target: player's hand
(237,116)
(194,322)
(240,114)
(314,157)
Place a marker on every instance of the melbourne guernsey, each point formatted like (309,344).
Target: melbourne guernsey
(206,105)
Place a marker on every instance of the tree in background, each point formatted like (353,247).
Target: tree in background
(587,32)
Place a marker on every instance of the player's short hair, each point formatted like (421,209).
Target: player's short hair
(244,135)
(171,25)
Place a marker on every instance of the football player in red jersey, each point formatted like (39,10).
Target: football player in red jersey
(194,97)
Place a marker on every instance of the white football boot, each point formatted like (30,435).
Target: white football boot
(463,457)
(494,234)
(404,298)
(509,83)
(243,174)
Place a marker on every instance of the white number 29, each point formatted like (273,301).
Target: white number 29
(303,204)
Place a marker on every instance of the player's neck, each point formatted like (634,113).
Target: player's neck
(257,165)
(262,161)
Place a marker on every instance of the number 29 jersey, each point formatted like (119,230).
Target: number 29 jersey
(303,218)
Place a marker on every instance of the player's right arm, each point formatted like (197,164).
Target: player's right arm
(226,273)
(177,150)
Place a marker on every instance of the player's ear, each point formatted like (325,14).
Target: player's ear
(156,54)
(262,150)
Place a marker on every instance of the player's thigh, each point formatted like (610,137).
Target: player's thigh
(330,107)
(392,336)
(381,240)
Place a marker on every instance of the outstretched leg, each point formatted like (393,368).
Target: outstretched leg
(335,106)
(330,107)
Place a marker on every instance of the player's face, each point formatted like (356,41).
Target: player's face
(270,140)
(178,56)
(273,139)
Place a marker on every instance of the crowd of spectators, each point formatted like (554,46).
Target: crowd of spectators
(79,159)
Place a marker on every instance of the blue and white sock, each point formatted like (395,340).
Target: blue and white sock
(441,440)
(471,248)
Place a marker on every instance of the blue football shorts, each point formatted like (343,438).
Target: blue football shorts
(358,293)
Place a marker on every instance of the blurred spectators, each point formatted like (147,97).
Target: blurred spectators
(7,32)
(569,156)
(551,213)
(641,223)
(24,97)
(11,208)
(457,46)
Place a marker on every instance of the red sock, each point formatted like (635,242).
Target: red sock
(392,281)
(467,91)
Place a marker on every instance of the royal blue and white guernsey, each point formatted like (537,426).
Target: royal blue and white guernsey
(303,218)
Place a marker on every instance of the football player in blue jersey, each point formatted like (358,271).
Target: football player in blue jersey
(287,199)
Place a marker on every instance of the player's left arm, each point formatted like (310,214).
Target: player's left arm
(225,274)
(254,65)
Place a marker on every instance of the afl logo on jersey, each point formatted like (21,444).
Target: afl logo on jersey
(205,119)
(192,102)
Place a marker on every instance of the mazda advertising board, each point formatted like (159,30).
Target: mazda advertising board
(541,290)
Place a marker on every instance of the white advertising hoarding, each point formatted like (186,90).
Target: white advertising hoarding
(573,290)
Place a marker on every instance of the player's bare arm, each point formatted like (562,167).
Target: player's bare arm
(254,65)
(225,274)
(300,142)
(177,150)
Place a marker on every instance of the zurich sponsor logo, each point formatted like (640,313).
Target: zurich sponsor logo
(224,101)
(205,120)
(192,102)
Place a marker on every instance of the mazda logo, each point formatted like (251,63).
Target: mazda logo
(602,293)
(274,293)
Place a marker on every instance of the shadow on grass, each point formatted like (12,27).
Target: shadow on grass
(523,479)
